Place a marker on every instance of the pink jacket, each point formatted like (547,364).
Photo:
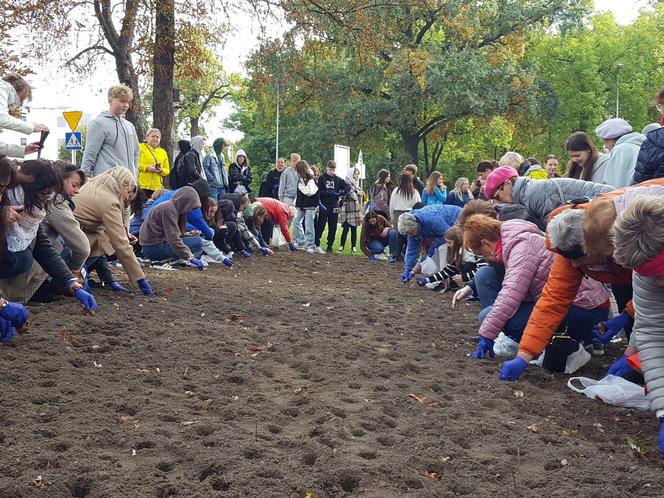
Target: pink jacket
(527,265)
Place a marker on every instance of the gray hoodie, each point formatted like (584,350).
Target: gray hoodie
(622,160)
(110,141)
(288,186)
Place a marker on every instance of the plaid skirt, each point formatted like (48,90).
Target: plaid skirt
(350,212)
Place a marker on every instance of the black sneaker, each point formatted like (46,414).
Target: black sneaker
(329,249)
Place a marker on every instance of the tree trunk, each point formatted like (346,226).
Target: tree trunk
(194,125)
(164,61)
(127,75)
(411,142)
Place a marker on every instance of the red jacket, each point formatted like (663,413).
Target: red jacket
(279,213)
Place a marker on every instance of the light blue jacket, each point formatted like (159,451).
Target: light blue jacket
(434,221)
(620,166)
(437,197)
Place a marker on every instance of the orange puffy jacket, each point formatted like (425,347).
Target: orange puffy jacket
(563,284)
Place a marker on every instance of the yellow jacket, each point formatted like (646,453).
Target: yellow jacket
(150,157)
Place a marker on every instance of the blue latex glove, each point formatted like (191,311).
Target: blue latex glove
(15,313)
(245,254)
(620,367)
(7,330)
(611,328)
(265,251)
(431,251)
(661,436)
(197,263)
(145,287)
(228,262)
(86,299)
(373,258)
(406,276)
(250,249)
(322,208)
(292,246)
(422,281)
(335,194)
(115,285)
(512,370)
(484,347)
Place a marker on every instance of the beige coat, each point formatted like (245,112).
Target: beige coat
(104,220)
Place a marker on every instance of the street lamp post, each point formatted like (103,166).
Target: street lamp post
(618,68)
(277,145)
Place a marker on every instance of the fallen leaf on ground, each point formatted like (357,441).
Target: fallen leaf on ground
(310,494)
(430,475)
(443,459)
(236,317)
(39,482)
(535,428)
(66,336)
(419,398)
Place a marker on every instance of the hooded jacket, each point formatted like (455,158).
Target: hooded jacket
(195,216)
(187,166)
(9,100)
(650,161)
(288,186)
(541,197)
(162,224)
(527,265)
(564,283)
(434,221)
(240,175)
(110,141)
(621,164)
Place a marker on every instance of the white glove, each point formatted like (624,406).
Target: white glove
(461,294)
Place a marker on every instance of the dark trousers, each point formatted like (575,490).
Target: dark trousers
(148,193)
(266,230)
(228,239)
(331,218)
(15,263)
(344,234)
(623,295)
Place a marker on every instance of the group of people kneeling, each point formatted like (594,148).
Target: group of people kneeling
(540,257)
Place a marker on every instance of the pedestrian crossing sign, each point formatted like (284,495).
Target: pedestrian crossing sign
(73,141)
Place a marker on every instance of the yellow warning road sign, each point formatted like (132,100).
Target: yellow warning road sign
(72,118)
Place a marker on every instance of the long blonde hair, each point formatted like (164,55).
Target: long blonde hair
(457,188)
(115,179)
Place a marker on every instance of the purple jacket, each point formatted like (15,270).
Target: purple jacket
(527,265)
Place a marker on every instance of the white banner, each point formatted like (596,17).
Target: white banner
(342,159)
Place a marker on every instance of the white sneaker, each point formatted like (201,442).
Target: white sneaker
(310,250)
(353,250)
(341,249)
(301,247)
(209,259)
(319,250)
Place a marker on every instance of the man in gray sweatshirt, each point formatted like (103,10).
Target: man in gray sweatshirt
(111,140)
(288,182)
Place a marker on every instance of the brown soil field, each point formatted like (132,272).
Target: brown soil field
(297,376)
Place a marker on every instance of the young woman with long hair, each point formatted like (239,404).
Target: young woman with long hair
(585,161)
(306,202)
(461,195)
(435,191)
(402,200)
(380,193)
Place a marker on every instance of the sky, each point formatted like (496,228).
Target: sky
(57,92)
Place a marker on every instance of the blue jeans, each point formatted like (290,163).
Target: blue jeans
(306,238)
(217,193)
(15,263)
(488,286)
(580,322)
(160,252)
(377,246)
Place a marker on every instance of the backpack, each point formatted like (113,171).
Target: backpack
(174,180)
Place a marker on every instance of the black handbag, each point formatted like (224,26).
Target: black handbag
(557,351)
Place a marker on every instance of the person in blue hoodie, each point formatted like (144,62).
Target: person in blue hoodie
(430,223)
(330,187)
(111,140)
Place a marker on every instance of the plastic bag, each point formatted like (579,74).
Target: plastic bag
(613,391)
(505,346)
(278,239)
(574,361)
(428,266)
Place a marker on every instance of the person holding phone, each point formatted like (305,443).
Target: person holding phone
(152,163)
(14,91)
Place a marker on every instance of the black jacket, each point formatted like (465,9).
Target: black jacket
(419,186)
(270,186)
(236,177)
(187,167)
(650,162)
(329,184)
(307,201)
